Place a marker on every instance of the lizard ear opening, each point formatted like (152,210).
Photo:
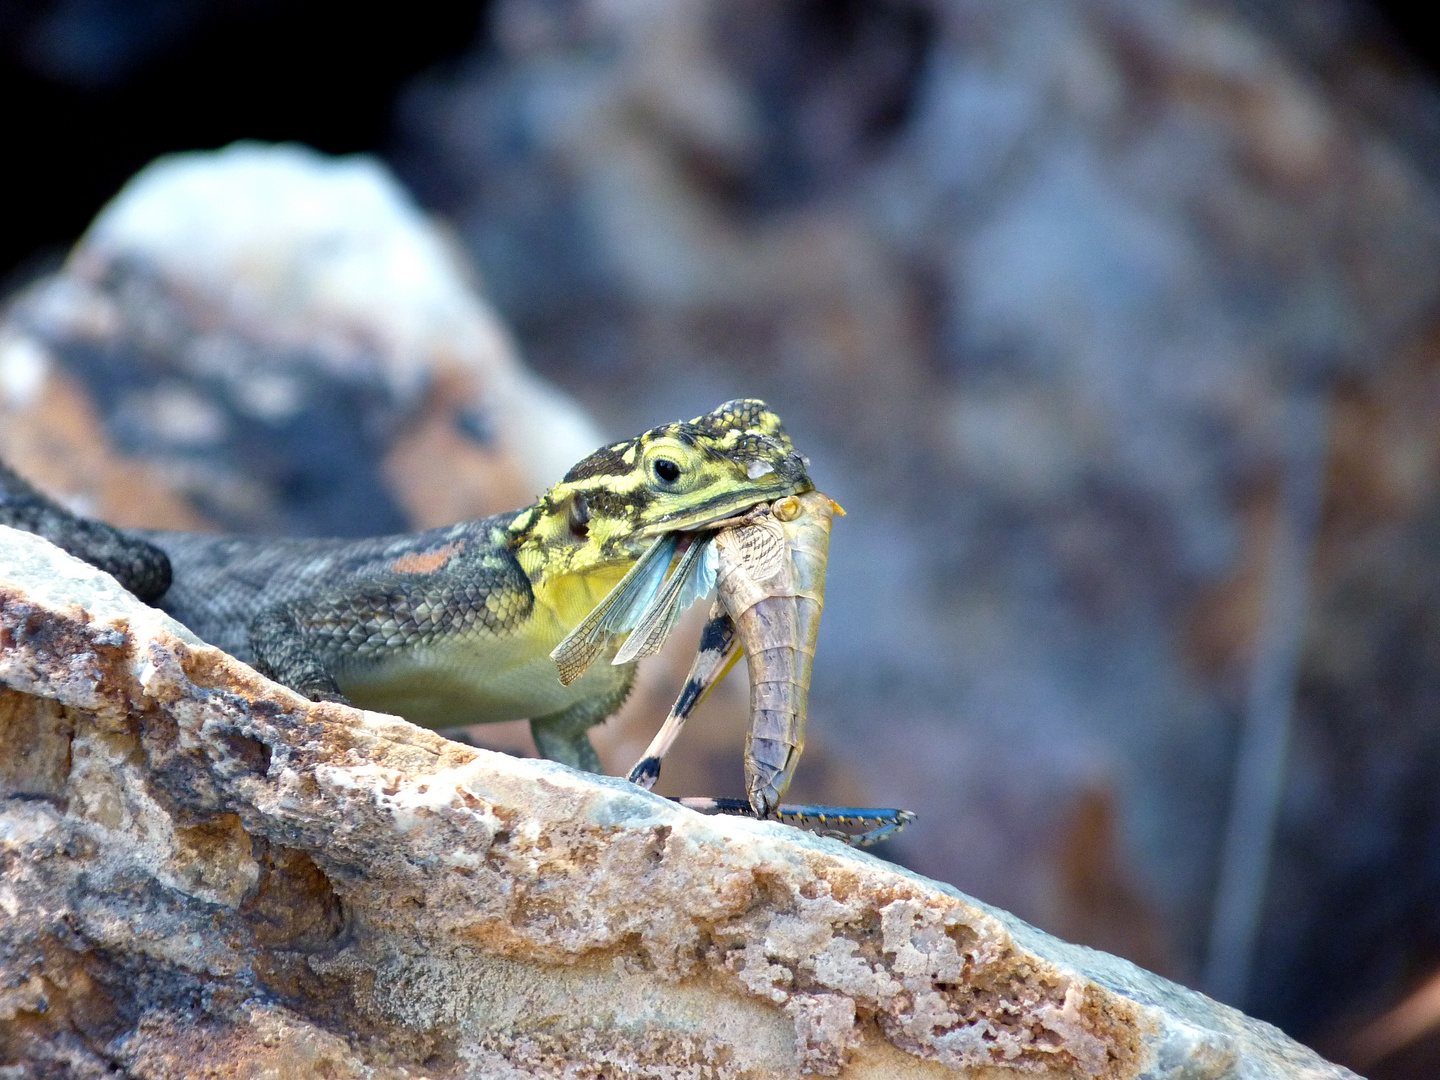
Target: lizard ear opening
(578,516)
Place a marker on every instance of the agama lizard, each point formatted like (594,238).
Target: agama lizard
(453,625)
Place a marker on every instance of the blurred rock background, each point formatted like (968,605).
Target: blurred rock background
(1115,325)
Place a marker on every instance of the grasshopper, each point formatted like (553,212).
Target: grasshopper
(768,566)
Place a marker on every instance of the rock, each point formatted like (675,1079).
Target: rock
(271,339)
(202,873)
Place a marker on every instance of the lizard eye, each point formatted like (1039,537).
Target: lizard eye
(666,470)
(579,517)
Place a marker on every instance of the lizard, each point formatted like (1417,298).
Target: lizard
(453,625)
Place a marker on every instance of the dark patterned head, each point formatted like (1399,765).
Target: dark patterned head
(672,478)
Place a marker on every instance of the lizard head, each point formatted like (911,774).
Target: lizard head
(674,478)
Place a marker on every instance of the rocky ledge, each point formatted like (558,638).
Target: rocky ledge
(203,874)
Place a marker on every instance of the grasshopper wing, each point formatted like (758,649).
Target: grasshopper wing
(692,579)
(621,610)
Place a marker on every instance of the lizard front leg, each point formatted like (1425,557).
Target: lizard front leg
(282,653)
(563,736)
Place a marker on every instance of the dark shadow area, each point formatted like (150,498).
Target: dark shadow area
(95,90)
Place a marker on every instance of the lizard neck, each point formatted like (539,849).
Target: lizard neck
(564,595)
(566,599)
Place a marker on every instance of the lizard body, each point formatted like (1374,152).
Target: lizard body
(453,625)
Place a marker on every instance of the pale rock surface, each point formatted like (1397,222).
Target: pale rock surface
(268,338)
(203,874)
(309,248)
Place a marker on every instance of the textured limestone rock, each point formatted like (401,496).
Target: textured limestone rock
(203,874)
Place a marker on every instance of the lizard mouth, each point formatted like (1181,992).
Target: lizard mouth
(696,518)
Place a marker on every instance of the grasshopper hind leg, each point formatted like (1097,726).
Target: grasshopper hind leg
(854,825)
(717,655)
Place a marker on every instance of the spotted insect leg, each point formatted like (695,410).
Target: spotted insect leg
(854,825)
(717,655)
